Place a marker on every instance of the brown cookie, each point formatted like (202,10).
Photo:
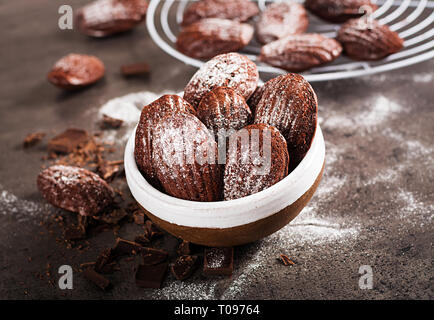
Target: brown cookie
(149,117)
(184,158)
(223,111)
(368,40)
(226,70)
(339,10)
(102,18)
(75,189)
(255,98)
(300,52)
(76,71)
(237,10)
(290,104)
(280,20)
(257,159)
(207,38)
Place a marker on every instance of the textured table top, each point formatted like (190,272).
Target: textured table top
(373,207)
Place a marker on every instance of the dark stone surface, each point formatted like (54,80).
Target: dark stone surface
(374,206)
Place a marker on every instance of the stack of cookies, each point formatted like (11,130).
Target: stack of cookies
(212,27)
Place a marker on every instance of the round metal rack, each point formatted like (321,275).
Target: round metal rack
(412,20)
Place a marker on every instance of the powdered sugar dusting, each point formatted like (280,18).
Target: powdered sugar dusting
(22,210)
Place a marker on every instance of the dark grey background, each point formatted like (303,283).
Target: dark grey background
(374,206)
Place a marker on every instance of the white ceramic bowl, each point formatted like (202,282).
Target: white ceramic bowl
(233,222)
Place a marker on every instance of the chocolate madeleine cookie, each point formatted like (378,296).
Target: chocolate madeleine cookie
(281,19)
(289,103)
(339,10)
(237,10)
(368,40)
(75,189)
(184,158)
(102,18)
(257,159)
(300,52)
(207,38)
(149,117)
(76,71)
(223,111)
(229,70)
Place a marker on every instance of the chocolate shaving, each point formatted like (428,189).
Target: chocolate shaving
(124,247)
(153,256)
(110,123)
(284,259)
(152,230)
(33,138)
(103,259)
(142,240)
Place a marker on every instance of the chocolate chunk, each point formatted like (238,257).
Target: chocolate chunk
(284,259)
(139,217)
(218,261)
(97,279)
(108,170)
(184,248)
(110,123)
(151,276)
(152,230)
(68,140)
(184,267)
(153,256)
(142,240)
(135,69)
(33,138)
(105,257)
(124,247)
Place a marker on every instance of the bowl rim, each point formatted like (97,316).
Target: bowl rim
(230,213)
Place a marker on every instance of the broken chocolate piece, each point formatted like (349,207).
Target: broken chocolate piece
(139,217)
(108,170)
(135,69)
(68,140)
(151,276)
(97,279)
(184,248)
(284,259)
(110,123)
(152,230)
(153,256)
(33,138)
(124,247)
(103,259)
(184,267)
(218,261)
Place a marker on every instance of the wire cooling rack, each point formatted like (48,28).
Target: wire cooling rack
(412,20)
